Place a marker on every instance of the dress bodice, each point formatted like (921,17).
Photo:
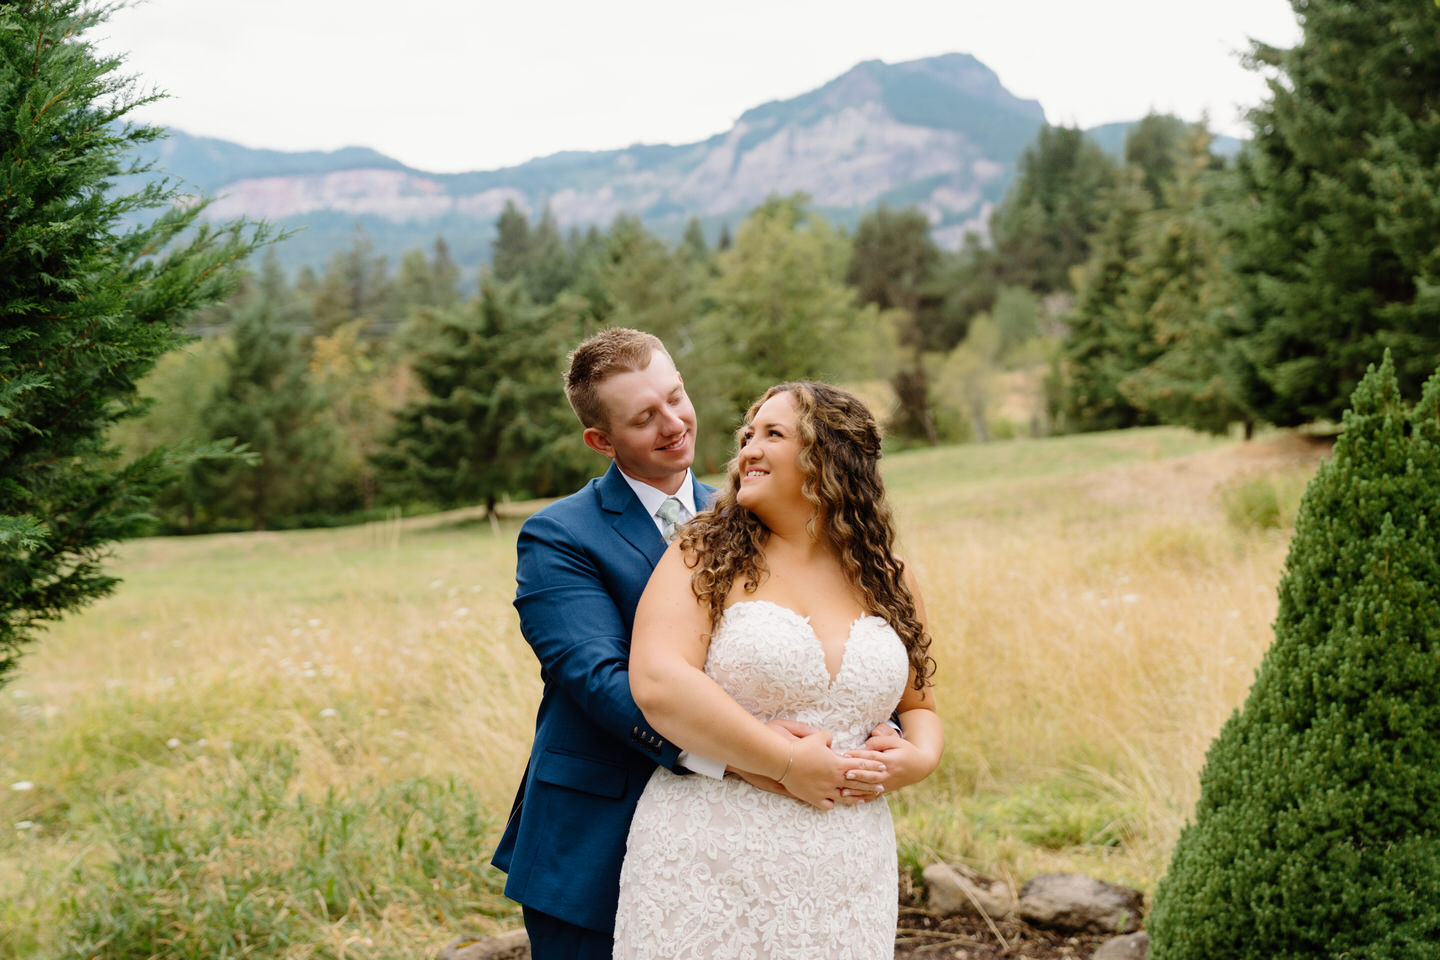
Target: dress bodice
(769,659)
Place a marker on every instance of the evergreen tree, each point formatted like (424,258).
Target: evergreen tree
(1317,833)
(550,269)
(88,301)
(427,281)
(692,243)
(267,401)
(1156,146)
(1335,235)
(1043,226)
(1178,367)
(356,286)
(510,254)
(1093,360)
(492,417)
(892,265)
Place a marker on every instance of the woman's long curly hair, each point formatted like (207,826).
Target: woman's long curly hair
(840,461)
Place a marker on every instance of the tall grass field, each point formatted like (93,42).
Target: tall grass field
(304,745)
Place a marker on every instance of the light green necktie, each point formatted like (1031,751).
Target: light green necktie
(669,514)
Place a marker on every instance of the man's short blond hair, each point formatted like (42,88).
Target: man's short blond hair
(617,350)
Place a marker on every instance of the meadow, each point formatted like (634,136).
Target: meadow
(304,744)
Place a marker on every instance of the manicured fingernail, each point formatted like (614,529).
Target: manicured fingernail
(850,775)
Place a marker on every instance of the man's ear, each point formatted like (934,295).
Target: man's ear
(599,441)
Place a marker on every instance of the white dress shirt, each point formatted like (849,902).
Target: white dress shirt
(651,498)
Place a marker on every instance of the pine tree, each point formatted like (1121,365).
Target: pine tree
(356,286)
(1335,254)
(1177,366)
(427,281)
(1043,226)
(1091,365)
(1157,147)
(492,418)
(510,254)
(692,243)
(266,401)
(1317,833)
(88,301)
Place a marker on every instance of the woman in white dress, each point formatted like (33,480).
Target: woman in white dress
(783,601)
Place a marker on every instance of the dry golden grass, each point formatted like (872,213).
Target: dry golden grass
(1095,621)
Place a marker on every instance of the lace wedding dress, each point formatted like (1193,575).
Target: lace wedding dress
(720,869)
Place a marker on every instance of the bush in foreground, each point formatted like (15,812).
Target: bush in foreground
(1317,833)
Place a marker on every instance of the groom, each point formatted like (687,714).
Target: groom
(582,563)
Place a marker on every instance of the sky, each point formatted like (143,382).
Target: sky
(457,85)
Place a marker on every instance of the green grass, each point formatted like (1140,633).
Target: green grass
(303,744)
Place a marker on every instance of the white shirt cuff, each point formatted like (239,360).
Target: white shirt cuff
(702,765)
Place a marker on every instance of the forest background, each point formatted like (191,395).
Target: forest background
(1170,287)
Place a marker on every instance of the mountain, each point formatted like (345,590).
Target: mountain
(941,134)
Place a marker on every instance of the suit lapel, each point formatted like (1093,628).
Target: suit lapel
(628,516)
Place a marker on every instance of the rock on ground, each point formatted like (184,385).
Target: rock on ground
(1132,946)
(953,888)
(1069,901)
(514,945)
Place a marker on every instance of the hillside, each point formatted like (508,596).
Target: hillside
(942,134)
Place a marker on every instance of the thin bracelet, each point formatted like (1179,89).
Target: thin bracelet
(789,760)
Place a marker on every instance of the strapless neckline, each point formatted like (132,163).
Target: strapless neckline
(810,630)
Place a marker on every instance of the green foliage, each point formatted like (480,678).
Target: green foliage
(1147,342)
(1178,365)
(893,265)
(1265,502)
(267,400)
(262,869)
(1092,359)
(428,281)
(88,305)
(1317,833)
(535,257)
(356,285)
(781,300)
(1335,251)
(1043,226)
(1156,146)
(492,417)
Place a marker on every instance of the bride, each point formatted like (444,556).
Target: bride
(783,601)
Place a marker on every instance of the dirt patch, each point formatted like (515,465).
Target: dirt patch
(922,935)
(1186,486)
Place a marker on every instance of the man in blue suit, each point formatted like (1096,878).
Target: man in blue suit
(582,563)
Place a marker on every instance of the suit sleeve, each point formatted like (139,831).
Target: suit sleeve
(577,632)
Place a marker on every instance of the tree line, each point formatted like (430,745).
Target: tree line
(1166,285)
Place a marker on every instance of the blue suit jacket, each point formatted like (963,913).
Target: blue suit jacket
(581,565)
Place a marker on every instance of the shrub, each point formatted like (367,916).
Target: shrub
(1317,833)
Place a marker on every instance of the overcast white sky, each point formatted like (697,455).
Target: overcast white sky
(446,85)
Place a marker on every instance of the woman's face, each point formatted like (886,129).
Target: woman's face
(770,476)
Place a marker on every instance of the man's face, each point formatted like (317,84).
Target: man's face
(651,433)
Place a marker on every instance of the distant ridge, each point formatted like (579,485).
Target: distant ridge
(941,134)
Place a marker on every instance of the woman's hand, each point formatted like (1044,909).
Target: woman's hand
(817,774)
(903,762)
